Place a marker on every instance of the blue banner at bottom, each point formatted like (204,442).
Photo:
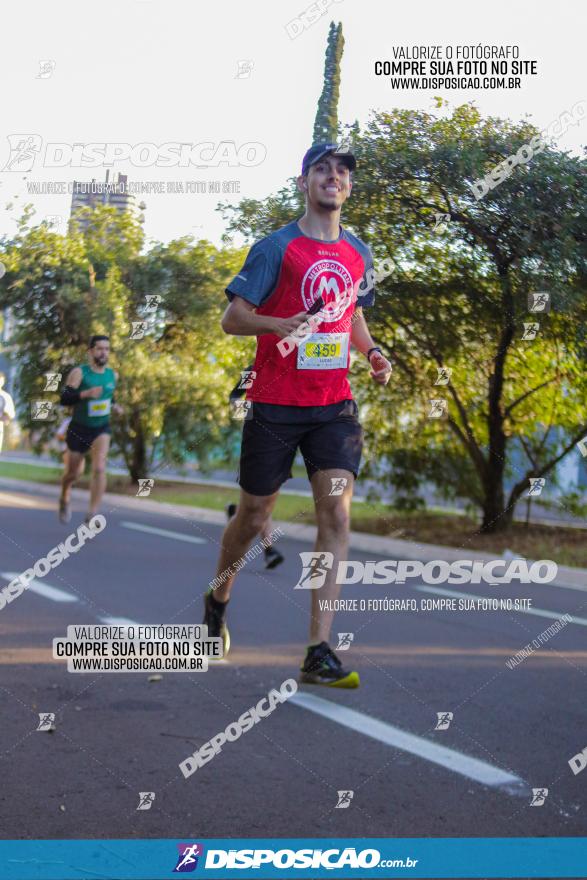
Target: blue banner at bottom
(273,858)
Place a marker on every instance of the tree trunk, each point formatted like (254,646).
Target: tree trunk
(138,458)
(495,516)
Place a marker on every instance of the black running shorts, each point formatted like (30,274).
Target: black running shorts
(79,437)
(327,436)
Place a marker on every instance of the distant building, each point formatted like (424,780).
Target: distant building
(88,194)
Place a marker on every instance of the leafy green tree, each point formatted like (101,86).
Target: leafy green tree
(456,297)
(256,218)
(196,364)
(174,377)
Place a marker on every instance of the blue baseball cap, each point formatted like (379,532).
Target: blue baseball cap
(318,151)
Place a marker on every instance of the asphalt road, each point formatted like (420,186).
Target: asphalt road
(120,734)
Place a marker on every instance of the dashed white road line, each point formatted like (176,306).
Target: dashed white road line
(43,589)
(58,595)
(118,621)
(537,612)
(450,759)
(165,533)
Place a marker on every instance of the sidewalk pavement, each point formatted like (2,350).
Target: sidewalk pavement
(389,548)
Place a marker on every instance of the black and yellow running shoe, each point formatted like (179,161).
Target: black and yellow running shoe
(322,666)
(214,619)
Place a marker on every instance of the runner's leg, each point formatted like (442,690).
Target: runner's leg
(273,557)
(81,467)
(333,519)
(250,518)
(265,462)
(265,532)
(99,452)
(74,465)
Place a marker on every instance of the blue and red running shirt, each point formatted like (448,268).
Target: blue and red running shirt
(285,273)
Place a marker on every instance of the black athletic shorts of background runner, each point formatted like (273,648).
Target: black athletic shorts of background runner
(327,436)
(79,437)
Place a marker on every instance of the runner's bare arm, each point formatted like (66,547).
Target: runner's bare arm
(362,340)
(241,319)
(74,380)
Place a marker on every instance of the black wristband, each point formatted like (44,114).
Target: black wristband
(371,350)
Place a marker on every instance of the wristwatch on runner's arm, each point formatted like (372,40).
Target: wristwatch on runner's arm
(371,350)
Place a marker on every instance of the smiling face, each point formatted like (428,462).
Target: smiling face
(327,184)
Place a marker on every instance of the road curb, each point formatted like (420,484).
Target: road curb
(390,548)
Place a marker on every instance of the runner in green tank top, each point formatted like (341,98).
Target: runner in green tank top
(95,412)
(89,388)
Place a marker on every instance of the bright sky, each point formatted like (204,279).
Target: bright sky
(155,71)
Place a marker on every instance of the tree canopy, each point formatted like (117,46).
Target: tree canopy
(458,296)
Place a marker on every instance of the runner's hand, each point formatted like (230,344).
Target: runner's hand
(381,368)
(286,326)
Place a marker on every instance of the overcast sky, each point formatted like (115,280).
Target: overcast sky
(155,71)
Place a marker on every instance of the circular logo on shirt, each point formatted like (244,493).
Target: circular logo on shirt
(332,281)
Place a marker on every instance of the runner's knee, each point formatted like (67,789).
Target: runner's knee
(256,521)
(254,516)
(334,518)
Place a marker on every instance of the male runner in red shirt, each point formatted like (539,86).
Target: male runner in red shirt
(301,396)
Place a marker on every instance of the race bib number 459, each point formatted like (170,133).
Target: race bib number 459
(99,407)
(324,351)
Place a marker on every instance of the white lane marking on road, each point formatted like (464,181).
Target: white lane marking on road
(537,612)
(118,621)
(450,759)
(165,533)
(42,589)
